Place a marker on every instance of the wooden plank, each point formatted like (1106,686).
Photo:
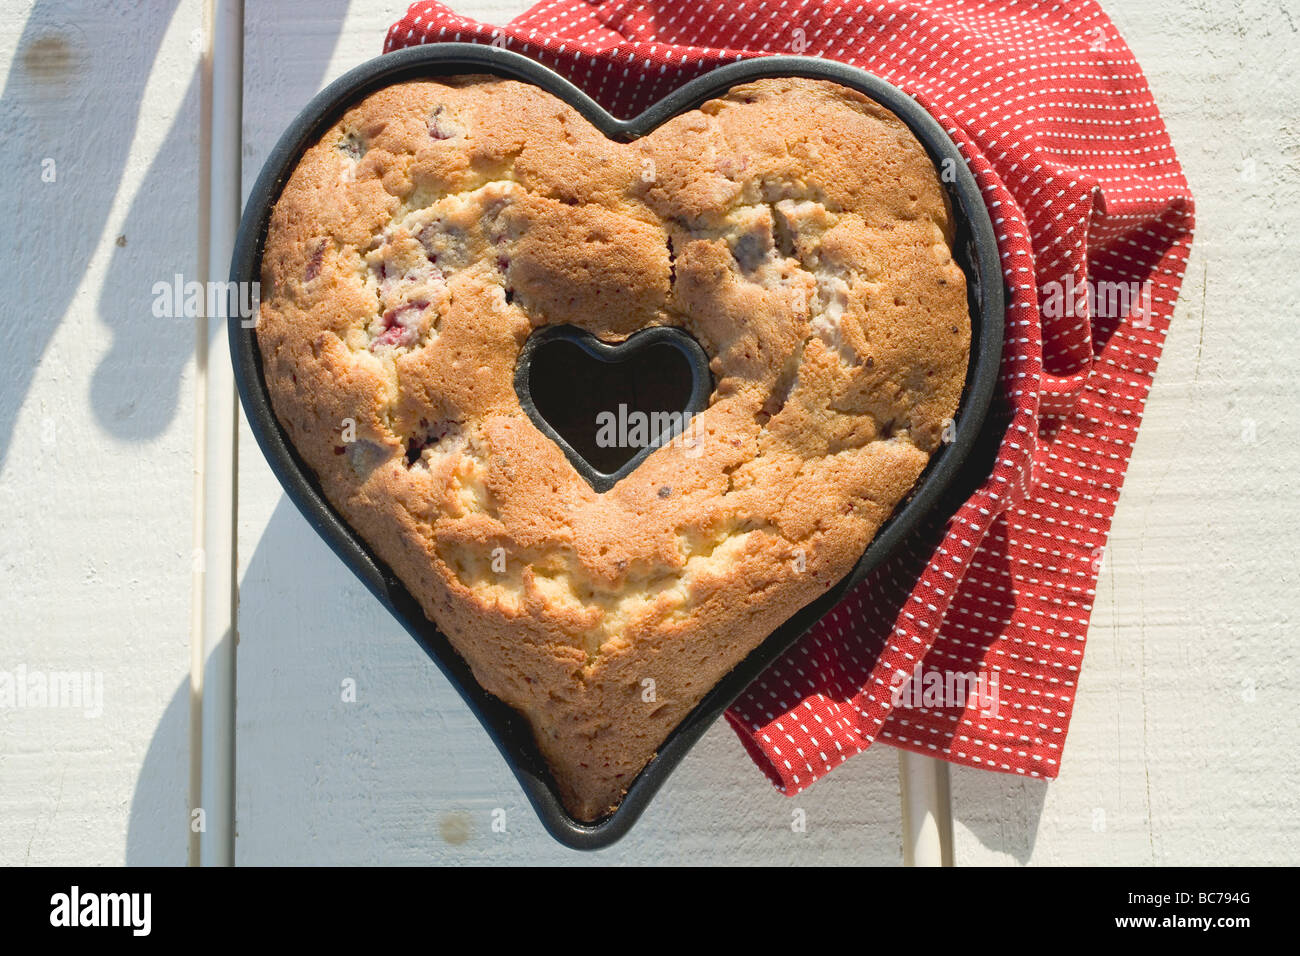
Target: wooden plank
(404,774)
(96,424)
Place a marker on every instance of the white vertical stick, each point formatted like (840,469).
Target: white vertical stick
(927,810)
(218,457)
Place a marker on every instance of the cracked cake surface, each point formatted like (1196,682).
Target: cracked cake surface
(794,227)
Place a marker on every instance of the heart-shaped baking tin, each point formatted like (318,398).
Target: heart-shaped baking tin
(974,249)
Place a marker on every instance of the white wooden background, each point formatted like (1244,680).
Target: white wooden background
(1183,743)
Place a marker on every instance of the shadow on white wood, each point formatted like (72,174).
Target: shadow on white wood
(99,118)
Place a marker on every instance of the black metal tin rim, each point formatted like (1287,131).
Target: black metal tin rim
(976,252)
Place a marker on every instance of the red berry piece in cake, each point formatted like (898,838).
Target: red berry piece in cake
(442,126)
(316,261)
(400,327)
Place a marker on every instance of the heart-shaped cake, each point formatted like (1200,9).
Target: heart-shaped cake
(794,228)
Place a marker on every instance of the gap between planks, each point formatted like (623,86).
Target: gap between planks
(214,635)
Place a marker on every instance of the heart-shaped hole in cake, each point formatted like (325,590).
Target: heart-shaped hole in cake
(610,404)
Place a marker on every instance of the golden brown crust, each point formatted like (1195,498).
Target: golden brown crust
(794,227)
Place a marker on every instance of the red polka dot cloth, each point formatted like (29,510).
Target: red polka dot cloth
(967,644)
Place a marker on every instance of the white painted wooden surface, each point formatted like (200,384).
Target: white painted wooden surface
(1182,747)
(96,419)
